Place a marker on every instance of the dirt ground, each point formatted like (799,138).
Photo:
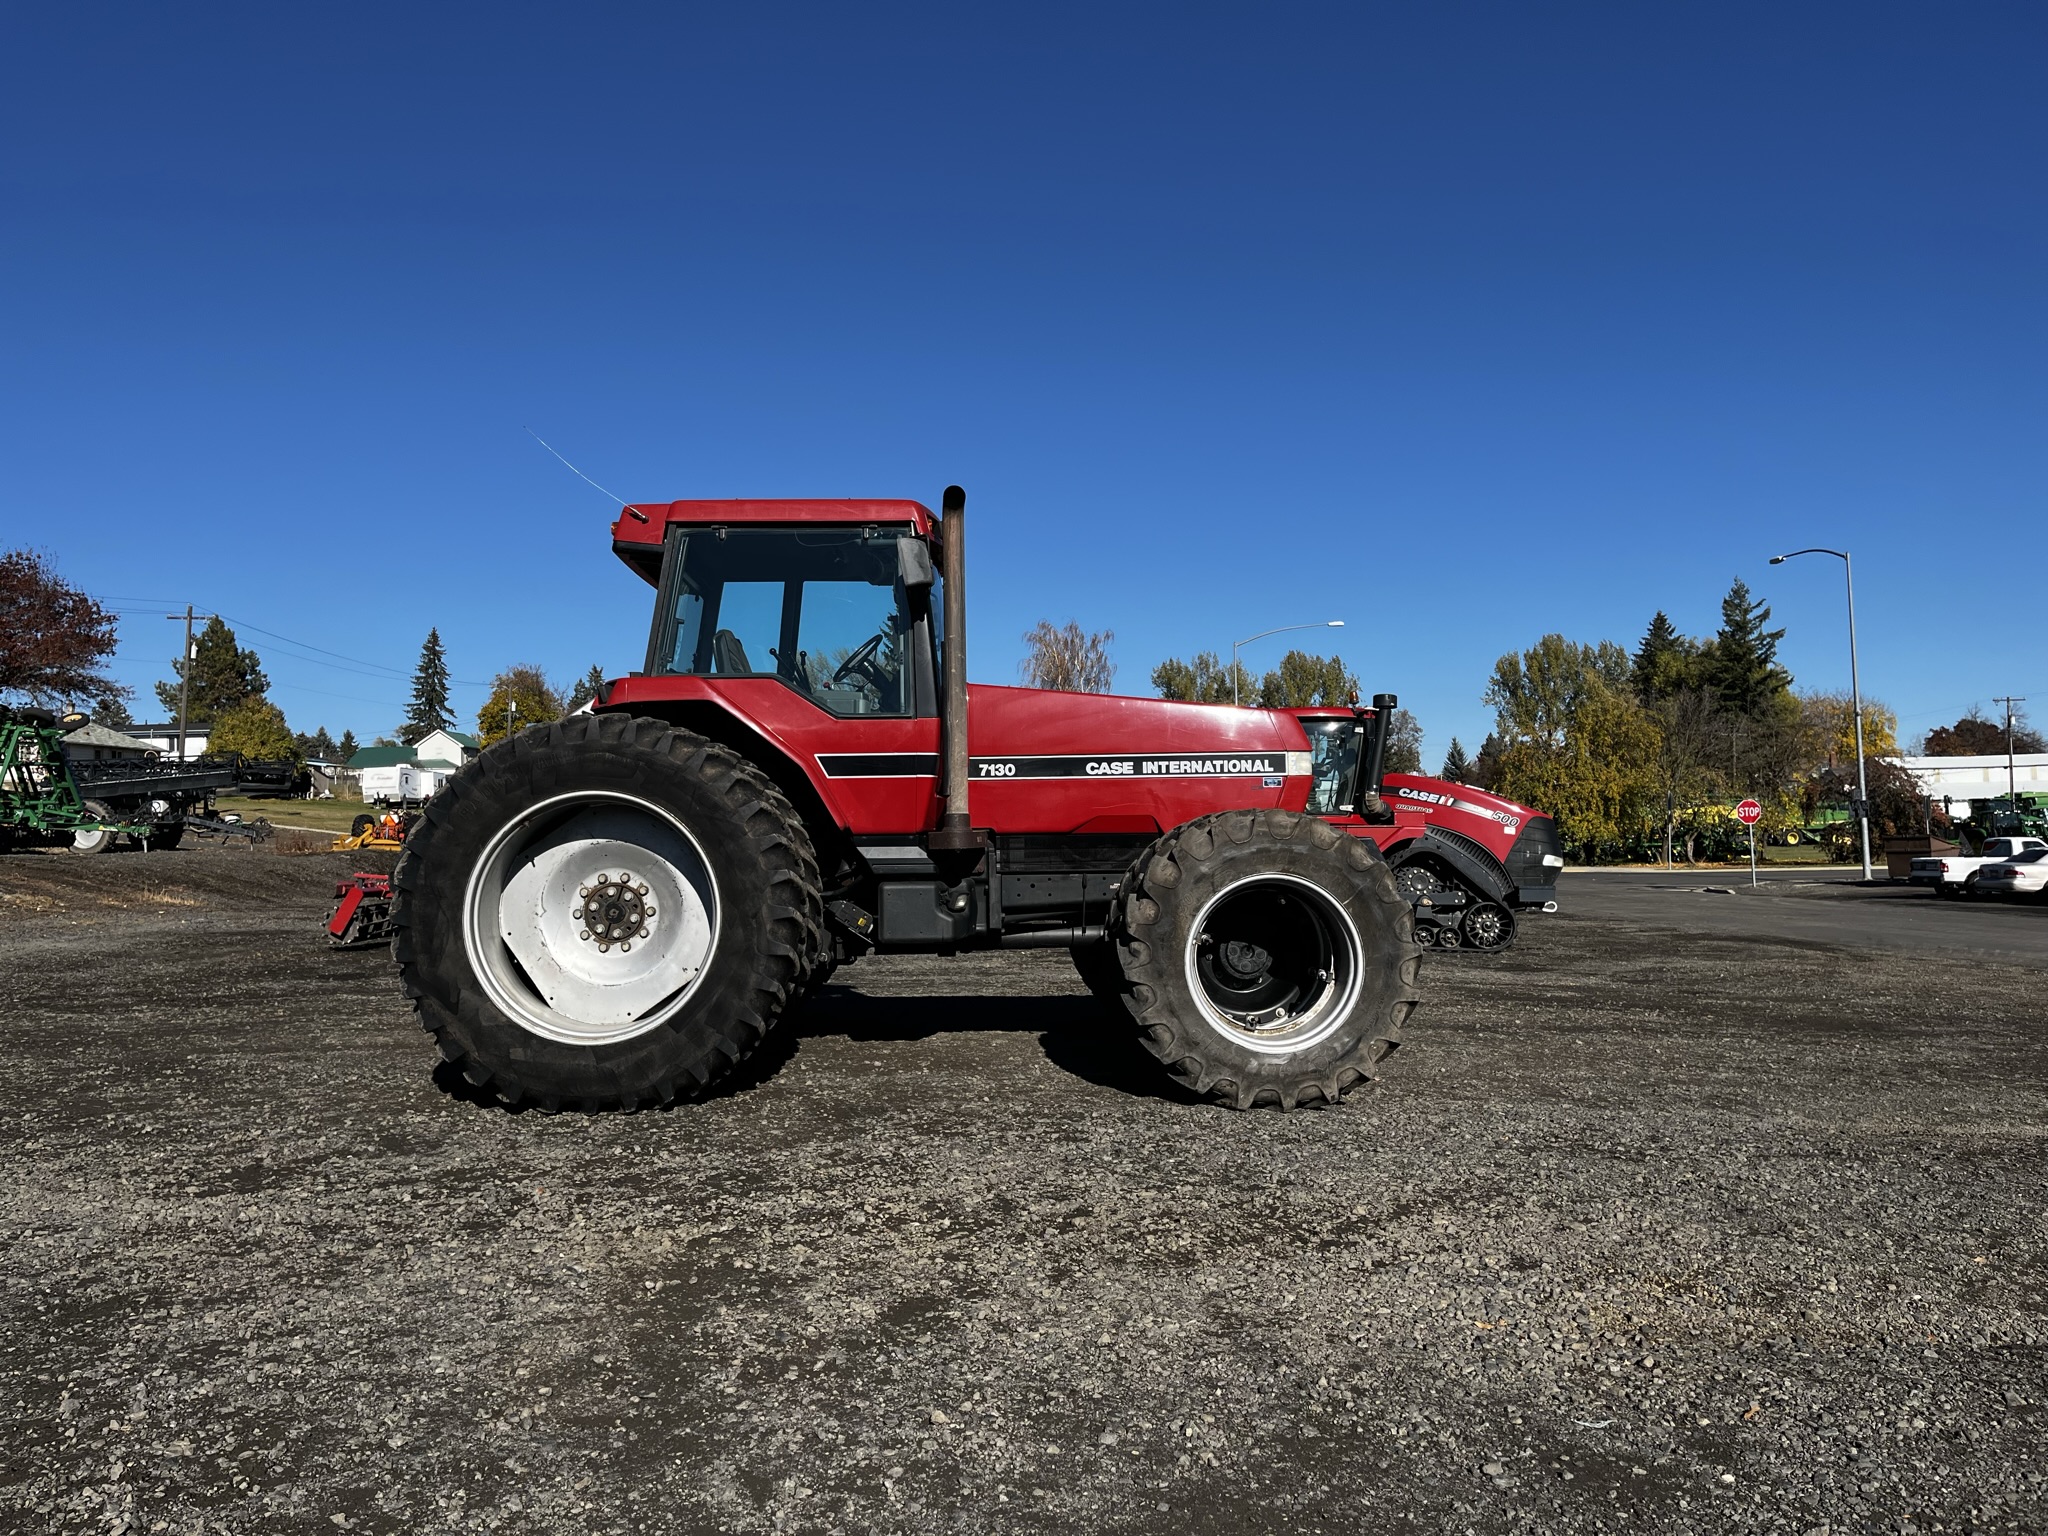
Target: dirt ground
(1644,1230)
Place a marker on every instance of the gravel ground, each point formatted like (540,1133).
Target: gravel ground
(1643,1230)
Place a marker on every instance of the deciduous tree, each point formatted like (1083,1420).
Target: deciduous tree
(1303,680)
(524,685)
(1575,742)
(1830,723)
(255,728)
(1065,658)
(1404,744)
(1205,680)
(54,640)
(1976,735)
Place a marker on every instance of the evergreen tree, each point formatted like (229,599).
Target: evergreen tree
(110,711)
(428,711)
(317,747)
(222,674)
(1742,664)
(1487,764)
(587,688)
(1456,764)
(346,747)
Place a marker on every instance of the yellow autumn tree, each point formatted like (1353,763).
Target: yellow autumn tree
(1576,742)
(1829,720)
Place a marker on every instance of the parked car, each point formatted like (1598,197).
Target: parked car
(2024,874)
(1951,874)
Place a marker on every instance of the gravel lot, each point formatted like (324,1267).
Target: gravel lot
(1645,1230)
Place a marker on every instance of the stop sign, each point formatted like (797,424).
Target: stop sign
(1750,812)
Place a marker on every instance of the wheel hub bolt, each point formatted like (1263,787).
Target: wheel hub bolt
(613,910)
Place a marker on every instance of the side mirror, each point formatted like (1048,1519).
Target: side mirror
(914,564)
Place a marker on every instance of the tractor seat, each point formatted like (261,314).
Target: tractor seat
(727,654)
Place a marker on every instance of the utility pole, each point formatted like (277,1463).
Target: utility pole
(2012,778)
(185,670)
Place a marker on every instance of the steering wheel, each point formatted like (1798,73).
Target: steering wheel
(861,665)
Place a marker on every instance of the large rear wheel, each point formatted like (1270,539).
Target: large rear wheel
(605,912)
(1271,958)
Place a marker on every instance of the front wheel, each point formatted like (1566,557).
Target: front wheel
(1271,958)
(605,912)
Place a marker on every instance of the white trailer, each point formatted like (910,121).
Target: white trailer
(397,784)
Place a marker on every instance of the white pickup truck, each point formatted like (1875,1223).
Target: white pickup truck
(1951,874)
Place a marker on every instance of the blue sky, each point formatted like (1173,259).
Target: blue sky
(1460,324)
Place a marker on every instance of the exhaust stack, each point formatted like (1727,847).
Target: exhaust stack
(1383,721)
(956,828)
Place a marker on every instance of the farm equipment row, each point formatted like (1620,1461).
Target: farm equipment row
(45,797)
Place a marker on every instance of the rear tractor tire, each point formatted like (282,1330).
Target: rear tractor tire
(605,912)
(360,825)
(1271,959)
(96,839)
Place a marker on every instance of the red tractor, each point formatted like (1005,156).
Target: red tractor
(614,909)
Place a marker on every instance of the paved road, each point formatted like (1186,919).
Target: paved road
(1811,907)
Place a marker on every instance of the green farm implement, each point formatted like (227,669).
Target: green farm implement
(44,797)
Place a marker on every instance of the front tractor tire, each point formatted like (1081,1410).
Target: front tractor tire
(1271,958)
(605,912)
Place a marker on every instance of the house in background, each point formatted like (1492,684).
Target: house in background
(437,756)
(96,742)
(164,738)
(448,749)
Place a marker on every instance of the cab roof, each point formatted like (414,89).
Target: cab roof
(642,525)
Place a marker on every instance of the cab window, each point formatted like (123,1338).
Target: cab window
(821,610)
(1333,765)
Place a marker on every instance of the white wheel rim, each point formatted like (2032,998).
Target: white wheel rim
(529,908)
(1320,927)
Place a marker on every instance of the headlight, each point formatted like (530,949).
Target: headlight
(1552,861)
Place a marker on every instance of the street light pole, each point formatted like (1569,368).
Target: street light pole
(1236,644)
(1855,694)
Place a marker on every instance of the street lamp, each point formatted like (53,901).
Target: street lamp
(1235,644)
(1855,694)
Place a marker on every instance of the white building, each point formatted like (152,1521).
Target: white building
(1964,779)
(165,737)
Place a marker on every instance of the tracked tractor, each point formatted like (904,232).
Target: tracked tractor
(615,909)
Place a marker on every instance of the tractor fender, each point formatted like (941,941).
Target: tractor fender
(1480,875)
(711,719)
